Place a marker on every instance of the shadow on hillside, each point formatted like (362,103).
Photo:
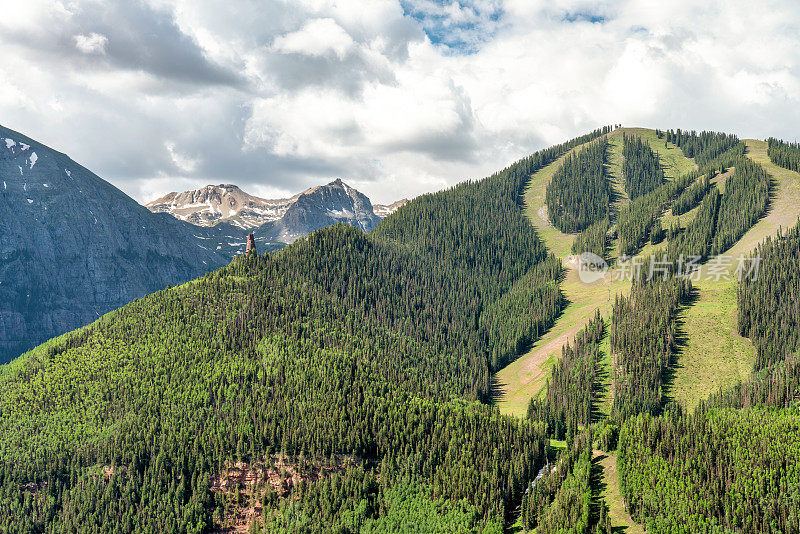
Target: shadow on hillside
(598,483)
(773,194)
(601,388)
(679,345)
(496,390)
(615,198)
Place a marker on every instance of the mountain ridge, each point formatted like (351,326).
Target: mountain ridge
(319,207)
(214,204)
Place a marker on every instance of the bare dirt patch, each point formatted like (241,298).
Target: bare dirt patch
(242,486)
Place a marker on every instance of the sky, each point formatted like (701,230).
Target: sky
(396,97)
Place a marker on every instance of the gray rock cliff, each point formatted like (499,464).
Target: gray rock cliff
(73,247)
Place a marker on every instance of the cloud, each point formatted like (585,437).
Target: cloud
(317,37)
(183,162)
(93,43)
(398,97)
(114,34)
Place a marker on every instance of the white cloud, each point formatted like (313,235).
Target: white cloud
(398,97)
(93,43)
(183,162)
(318,37)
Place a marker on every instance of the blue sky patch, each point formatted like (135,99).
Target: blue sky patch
(584,16)
(459,26)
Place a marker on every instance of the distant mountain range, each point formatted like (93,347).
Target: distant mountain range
(384,210)
(275,220)
(212,204)
(320,207)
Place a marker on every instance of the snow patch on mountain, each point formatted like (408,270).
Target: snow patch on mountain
(384,210)
(214,204)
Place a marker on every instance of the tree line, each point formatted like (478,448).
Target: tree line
(594,239)
(578,194)
(703,147)
(691,196)
(641,167)
(743,203)
(569,393)
(783,154)
(768,298)
(643,333)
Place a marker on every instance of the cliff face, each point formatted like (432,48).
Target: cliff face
(73,247)
(320,207)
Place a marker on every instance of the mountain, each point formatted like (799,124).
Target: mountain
(73,247)
(276,221)
(347,377)
(384,210)
(225,202)
(319,207)
(418,376)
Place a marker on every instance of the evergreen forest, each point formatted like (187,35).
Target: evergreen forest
(348,382)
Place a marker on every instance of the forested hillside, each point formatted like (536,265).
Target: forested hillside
(640,168)
(578,195)
(366,356)
(721,467)
(561,497)
(346,382)
(787,155)
(769,298)
(717,469)
(724,467)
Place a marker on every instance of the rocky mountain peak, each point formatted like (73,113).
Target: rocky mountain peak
(213,204)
